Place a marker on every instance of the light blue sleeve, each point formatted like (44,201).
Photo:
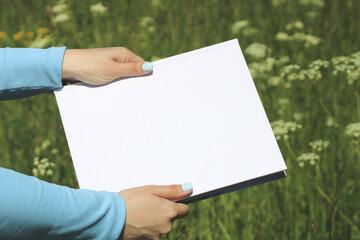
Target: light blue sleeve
(28,71)
(34,209)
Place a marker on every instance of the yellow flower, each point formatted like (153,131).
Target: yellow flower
(42,31)
(16,37)
(30,34)
(2,35)
(21,34)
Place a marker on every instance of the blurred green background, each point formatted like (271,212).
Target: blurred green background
(304,57)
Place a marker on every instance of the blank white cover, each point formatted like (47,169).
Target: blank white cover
(197,118)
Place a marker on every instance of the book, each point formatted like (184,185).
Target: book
(197,118)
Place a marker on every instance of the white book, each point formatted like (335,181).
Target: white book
(197,118)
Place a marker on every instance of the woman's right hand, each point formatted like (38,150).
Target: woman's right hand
(150,210)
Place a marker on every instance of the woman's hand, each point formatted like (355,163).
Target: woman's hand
(100,66)
(150,210)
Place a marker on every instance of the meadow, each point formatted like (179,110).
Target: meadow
(304,56)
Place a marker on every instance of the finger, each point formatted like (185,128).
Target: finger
(132,57)
(182,210)
(133,69)
(122,54)
(173,192)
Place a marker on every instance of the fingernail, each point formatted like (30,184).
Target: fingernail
(187,186)
(148,66)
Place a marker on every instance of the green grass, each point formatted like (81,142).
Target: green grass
(313,202)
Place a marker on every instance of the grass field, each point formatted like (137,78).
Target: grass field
(304,56)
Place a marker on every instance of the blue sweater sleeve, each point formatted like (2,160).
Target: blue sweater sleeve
(34,209)
(28,71)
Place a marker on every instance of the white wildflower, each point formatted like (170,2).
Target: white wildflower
(156,3)
(317,64)
(59,8)
(42,172)
(283,102)
(281,128)
(291,73)
(36,160)
(349,65)
(274,81)
(298,116)
(45,144)
(295,25)
(284,59)
(262,68)
(256,50)
(40,42)
(98,9)
(42,167)
(151,29)
(308,39)
(35,172)
(311,158)
(37,151)
(311,40)
(331,122)
(353,130)
(61,18)
(311,14)
(249,31)
(281,36)
(237,26)
(44,160)
(49,172)
(146,21)
(54,151)
(319,145)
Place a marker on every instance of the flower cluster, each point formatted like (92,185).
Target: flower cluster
(308,39)
(61,13)
(2,36)
(147,23)
(319,145)
(298,116)
(264,68)
(331,122)
(23,36)
(243,27)
(98,9)
(147,31)
(293,72)
(311,158)
(298,25)
(43,167)
(257,50)
(350,65)
(282,129)
(353,130)
(238,26)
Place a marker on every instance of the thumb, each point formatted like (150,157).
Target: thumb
(173,192)
(130,69)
